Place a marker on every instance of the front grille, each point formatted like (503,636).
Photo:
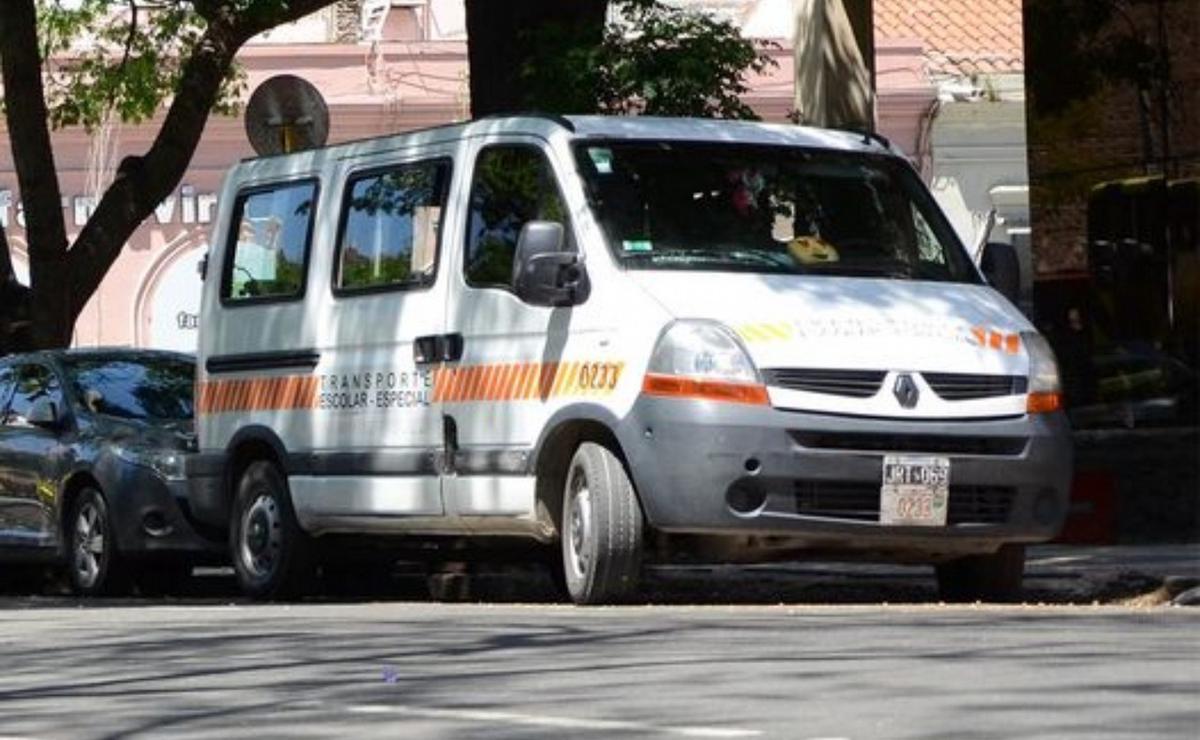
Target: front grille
(926,443)
(857,501)
(966,387)
(980,504)
(838,499)
(851,383)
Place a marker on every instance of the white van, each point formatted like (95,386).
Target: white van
(642,338)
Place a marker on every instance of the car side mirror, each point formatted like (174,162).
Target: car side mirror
(1002,269)
(544,274)
(44,414)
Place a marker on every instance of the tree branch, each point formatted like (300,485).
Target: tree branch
(142,183)
(133,22)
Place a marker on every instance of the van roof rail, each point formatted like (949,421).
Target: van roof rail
(552,117)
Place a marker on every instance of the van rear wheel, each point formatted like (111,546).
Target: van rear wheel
(271,555)
(994,577)
(601,528)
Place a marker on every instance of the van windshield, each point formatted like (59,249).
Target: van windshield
(770,209)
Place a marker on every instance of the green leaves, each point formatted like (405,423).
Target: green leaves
(105,56)
(656,60)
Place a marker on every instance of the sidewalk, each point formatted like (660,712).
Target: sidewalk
(1082,560)
(1137,575)
(1144,575)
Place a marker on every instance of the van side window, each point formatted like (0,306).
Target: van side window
(513,184)
(272,229)
(389,233)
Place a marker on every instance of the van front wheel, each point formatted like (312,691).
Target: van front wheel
(601,528)
(271,555)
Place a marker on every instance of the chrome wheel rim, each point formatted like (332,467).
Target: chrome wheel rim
(261,536)
(89,544)
(579,525)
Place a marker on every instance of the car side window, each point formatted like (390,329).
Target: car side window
(513,184)
(33,382)
(390,223)
(269,244)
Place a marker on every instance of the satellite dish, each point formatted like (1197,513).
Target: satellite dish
(286,114)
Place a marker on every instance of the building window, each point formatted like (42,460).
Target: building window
(273,227)
(389,235)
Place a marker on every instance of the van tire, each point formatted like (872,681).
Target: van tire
(272,556)
(995,577)
(601,528)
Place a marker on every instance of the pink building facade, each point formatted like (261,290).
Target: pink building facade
(150,297)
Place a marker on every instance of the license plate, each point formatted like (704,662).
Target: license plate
(915,491)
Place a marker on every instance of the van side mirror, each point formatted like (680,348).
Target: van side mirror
(1002,269)
(544,274)
(44,414)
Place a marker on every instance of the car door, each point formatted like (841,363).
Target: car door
(28,458)
(512,372)
(378,432)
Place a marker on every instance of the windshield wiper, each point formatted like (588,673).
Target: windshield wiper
(735,256)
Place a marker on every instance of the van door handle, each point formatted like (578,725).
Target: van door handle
(438,348)
(425,349)
(452,347)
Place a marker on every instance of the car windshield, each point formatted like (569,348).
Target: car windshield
(769,209)
(143,388)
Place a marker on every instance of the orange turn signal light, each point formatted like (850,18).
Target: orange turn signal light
(1043,403)
(673,386)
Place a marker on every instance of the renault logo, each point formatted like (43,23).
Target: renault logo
(906,391)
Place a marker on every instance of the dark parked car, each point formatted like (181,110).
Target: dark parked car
(91,466)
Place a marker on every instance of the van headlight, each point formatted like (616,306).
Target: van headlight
(703,360)
(1045,386)
(167,463)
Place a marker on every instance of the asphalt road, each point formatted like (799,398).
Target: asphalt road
(405,669)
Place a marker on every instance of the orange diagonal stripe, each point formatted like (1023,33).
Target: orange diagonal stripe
(509,381)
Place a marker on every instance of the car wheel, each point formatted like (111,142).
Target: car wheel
(994,577)
(271,555)
(601,528)
(93,563)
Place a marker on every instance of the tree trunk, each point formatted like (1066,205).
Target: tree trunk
(499,44)
(834,58)
(37,177)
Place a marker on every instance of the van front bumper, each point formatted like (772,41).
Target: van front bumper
(704,467)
